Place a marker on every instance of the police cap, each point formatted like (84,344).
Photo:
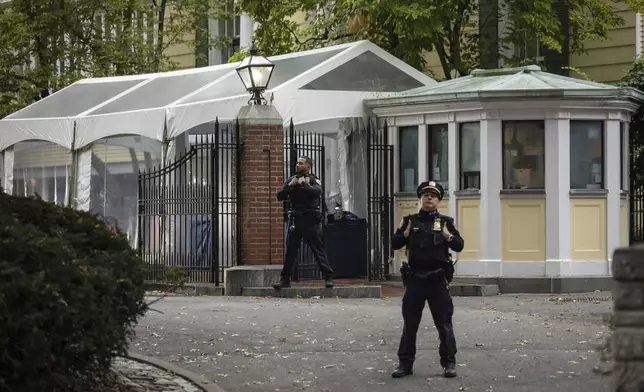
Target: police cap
(430,186)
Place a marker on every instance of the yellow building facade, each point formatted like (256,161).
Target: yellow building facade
(536,167)
(604,61)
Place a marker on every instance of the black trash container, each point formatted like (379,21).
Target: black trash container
(346,248)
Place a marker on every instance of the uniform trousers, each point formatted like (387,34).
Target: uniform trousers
(436,293)
(310,231)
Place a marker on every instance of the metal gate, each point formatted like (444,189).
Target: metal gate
(188,210)
(636,178)
(298,144)
(380,201)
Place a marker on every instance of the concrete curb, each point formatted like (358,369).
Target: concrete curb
(187,289)
(201,381)
(314,291)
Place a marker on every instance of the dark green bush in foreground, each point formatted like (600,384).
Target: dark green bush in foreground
(70,295)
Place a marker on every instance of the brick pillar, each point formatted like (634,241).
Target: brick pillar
(262,173)
(628,319)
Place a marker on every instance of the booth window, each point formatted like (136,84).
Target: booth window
(523,155)
(438,154)
(586,155)
(469,144)
(408,158)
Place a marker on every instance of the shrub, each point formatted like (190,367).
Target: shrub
(71,292)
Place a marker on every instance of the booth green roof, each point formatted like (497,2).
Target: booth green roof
(519,82)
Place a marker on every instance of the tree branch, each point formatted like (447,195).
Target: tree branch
(442,56)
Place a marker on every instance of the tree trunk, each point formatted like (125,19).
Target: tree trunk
(160,33)
(442,56)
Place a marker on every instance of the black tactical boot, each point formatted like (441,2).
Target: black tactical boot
(449,371)
(328,282)
(283,283)
(402,370)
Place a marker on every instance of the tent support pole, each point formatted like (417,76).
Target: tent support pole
(74,174)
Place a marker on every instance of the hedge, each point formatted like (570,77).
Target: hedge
(71,293)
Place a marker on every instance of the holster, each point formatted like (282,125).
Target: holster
(405,272)
(291,221)
(449,269)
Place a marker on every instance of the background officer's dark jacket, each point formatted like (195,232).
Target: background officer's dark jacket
(426,250)
(302,196)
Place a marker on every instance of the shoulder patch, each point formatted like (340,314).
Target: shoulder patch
(318,182)
(447,218)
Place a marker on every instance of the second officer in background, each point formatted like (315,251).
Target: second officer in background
(427,236)
(304,192)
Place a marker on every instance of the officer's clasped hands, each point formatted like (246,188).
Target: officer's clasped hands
(446,232)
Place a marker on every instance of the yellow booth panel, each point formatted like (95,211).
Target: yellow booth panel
(588,229)
(623,223)
(468,221)
(407,205)
(524,229)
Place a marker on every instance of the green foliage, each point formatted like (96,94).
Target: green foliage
(48,44)
(635,78)
(410,28)
(176,276)
(239,55)
(590,20)
(70,295)
(579,72)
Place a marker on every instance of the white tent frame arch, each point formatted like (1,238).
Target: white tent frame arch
(166,122)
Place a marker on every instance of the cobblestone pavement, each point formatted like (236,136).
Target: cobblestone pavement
(141,377)
(506,343)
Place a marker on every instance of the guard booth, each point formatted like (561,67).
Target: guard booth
(535,166)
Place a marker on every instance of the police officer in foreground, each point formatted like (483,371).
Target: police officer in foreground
(303,190)
(427,236)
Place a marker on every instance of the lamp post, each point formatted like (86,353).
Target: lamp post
(255,72)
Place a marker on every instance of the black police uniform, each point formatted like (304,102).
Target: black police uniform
(307,221)
(426,279)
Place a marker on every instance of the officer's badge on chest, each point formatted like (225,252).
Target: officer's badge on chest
(437,224)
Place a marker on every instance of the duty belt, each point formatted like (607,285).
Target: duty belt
(294,214)
(312,213)
(426,274)
(303,211)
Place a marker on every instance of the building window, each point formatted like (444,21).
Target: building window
(469,153)
(586,155)
(408,158)
(438,154)
(523,155)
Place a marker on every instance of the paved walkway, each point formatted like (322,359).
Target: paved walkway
(506,343)
(141,377)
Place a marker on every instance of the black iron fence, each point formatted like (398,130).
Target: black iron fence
(188,210)
(298,144)
(380,201)
(636,183)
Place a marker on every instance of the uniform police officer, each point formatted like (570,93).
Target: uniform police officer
(427,236)
(303,190)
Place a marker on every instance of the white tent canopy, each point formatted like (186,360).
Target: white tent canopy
(308,87)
